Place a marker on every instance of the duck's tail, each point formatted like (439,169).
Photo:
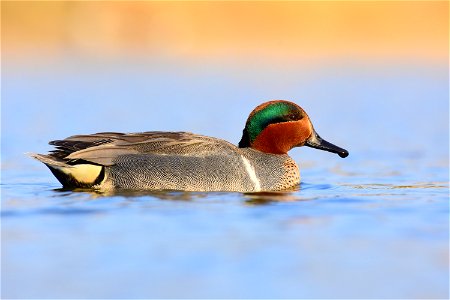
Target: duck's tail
(75,175)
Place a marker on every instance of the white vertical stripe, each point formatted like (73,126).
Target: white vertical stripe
(251,173)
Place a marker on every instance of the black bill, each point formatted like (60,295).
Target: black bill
(315,141)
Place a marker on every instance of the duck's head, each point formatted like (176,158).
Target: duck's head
(278,126)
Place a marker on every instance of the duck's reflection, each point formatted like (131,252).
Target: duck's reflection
(258,198)
(264,198)
(161,194)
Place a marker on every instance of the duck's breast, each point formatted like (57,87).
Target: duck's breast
(273,171)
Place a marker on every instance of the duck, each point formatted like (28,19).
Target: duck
(184,161)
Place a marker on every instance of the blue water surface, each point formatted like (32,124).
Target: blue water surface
(373,225)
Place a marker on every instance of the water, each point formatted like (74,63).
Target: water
(373,225)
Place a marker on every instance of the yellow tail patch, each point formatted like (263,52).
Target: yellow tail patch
(84,173)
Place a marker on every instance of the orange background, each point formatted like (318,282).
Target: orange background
(303,31)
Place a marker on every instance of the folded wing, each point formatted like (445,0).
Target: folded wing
(103,148)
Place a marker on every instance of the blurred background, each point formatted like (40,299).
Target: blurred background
(296,32)
(372,75)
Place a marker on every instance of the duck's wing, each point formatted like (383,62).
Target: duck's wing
(103,148)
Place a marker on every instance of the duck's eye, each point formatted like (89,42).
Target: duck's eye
(293,117)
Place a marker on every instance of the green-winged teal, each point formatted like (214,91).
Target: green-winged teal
(186,161)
